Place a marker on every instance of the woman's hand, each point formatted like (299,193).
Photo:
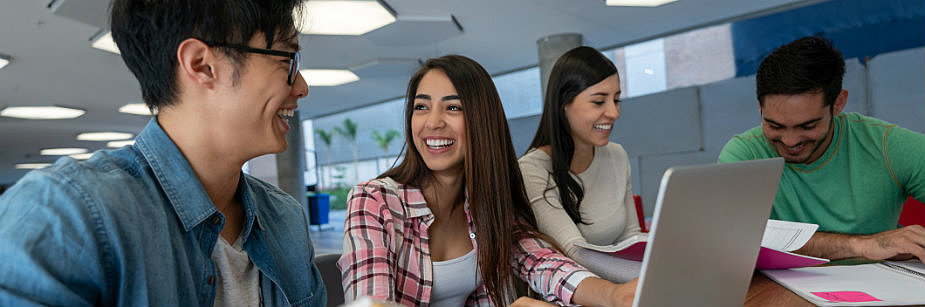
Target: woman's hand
(593,291)
(623,294)
(529,302)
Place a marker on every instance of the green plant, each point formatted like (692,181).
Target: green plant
(338,174)
(385,140)
(338,198)
(349,132)
(327,138)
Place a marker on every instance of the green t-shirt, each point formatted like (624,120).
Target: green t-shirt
(857,187)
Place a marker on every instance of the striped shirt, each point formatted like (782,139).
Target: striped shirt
(387,254)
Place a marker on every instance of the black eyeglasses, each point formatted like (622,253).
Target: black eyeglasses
(294,57)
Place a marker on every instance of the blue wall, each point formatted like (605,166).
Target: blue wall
(859,28)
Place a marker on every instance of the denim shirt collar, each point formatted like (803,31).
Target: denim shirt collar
(180,183)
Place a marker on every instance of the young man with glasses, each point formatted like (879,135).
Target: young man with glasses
(172,220)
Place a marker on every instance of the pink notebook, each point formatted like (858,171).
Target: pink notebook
(772,259)
(633,252)
(768,259)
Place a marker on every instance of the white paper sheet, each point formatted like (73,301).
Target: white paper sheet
(787,236)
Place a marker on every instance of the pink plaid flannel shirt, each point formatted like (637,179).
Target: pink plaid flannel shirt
(387,256)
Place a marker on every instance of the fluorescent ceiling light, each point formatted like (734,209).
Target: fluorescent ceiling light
(31,165)
(137,109)
(62,151)
(649,3)
(104,42)
(118,144)
(41,112)
(343,17)
(103,136)
(4,59)
(328,77)
(82,156)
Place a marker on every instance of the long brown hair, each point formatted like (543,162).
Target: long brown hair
(497,199)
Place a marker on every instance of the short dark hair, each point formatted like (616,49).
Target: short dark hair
(148,33)
(575,71)
(808,65)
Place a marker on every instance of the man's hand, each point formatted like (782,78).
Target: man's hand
(902,243)
(898,244)
(529,302)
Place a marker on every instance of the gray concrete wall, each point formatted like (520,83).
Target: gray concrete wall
(691,125)
(896,81)
(264,168)
(685,60)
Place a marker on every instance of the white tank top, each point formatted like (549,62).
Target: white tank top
(455,280)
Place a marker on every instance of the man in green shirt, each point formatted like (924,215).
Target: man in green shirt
(848,173)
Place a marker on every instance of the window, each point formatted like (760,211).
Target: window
(520,92)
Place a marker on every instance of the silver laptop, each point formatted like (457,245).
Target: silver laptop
(706,234)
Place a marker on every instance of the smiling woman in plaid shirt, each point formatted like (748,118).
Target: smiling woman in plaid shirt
(451,224)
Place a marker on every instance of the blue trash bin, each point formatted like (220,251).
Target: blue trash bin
(318,207)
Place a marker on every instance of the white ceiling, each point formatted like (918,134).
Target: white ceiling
(53,63)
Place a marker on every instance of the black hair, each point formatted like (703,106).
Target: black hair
(808,65)
(148,33)
(573,72)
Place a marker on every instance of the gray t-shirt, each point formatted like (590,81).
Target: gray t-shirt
(238,282)
(607,207)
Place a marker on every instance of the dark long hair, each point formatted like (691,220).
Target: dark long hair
(573,72)
(497,199)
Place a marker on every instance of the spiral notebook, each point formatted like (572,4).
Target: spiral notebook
(875,284)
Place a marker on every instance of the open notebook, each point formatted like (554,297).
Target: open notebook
(780,238)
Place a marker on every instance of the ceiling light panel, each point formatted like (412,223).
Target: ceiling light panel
(328,77)
(136,108)
(648,3)
(82,156)
(31,165)
(48,112)
(104,42)
(343,17)
(103,136)
(119,144)
(62,151)
(4,60)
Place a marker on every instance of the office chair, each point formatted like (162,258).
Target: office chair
(913,213)
(330,275)
(640,216)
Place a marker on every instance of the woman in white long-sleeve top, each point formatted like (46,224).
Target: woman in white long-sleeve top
(577,181)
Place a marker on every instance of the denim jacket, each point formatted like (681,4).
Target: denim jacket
(135,227)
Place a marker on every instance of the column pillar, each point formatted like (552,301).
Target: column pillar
(290,164)
(549,49)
